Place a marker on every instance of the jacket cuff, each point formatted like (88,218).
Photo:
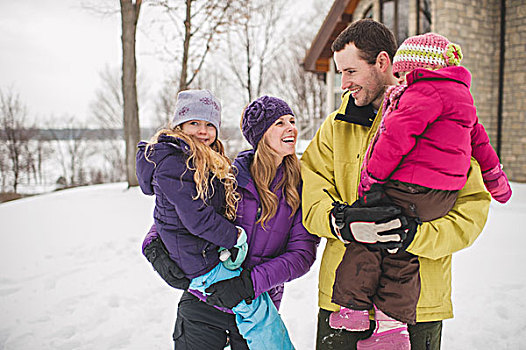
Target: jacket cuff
(150,236)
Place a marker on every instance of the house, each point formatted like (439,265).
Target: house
(492,34)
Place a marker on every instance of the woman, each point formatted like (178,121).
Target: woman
(279,247)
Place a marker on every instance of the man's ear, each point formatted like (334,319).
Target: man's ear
(383,62)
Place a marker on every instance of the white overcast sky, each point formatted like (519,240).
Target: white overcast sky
(51,53)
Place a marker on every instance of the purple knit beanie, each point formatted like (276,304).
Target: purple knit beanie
(426,50)
(259,115)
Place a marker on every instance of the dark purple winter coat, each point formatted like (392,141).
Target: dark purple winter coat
(191,230)
(281,252)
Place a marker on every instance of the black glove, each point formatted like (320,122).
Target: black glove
(157,255)
(229,293)
(380,226)
(410,228)
(376,197)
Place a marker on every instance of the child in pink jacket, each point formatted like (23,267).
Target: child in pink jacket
(421,155)
(429,127)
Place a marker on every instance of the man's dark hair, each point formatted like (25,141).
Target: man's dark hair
(370,37)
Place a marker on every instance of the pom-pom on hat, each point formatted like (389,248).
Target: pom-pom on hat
(259,115)
(424,51)
(197,105)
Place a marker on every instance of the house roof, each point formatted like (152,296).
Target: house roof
(319,55)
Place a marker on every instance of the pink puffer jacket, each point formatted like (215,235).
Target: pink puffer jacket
(427,137)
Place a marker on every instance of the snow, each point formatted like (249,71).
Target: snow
(73,277)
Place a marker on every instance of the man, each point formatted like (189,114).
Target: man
(363,54)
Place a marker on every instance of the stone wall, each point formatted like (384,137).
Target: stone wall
(475,26)
(513,151)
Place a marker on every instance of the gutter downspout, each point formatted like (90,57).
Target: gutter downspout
(501,75)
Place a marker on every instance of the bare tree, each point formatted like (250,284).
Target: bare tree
(72,150)
(165,103)
(13,119)
(41,152)
(196,24)
(4,165)
(304,91)
(129,16)
(107,106)
(253,44)
(129,11)
(107,109)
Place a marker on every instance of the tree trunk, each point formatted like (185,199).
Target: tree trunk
(130,15)
(186,46)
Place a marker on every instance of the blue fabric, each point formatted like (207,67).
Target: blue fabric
(259,322)
(261,325)
(242,247)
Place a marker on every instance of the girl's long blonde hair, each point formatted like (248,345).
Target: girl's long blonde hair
(203,161)
(263,171)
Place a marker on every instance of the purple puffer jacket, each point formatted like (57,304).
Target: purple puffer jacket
(282,252)
(191,230)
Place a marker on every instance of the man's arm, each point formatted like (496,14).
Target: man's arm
(460,227)
(317,172)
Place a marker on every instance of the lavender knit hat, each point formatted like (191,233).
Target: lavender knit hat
(426,50)
(259,115)
(197,105)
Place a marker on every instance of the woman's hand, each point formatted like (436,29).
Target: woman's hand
(229,293)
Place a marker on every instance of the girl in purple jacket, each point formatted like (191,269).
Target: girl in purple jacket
(420,155)
(279,247)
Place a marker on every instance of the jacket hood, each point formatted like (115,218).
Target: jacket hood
(145,168)
(242,164)
(458,73)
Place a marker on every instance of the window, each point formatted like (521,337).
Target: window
(394,14)
(423,18)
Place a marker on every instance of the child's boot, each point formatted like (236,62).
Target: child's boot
(389,334)
(351,320)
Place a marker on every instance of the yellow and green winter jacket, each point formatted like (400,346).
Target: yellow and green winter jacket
(332,161)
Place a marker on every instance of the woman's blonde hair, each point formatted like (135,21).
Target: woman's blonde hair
(263,171)
(203,161)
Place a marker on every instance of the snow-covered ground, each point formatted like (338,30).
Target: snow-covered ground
(72,277)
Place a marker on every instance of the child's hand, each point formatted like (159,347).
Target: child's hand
(366,181)
(497,184)
(233,258)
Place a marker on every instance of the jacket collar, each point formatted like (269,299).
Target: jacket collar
(242,163)
(456,74)
(351,113)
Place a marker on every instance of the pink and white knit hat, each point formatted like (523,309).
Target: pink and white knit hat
(426,50)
